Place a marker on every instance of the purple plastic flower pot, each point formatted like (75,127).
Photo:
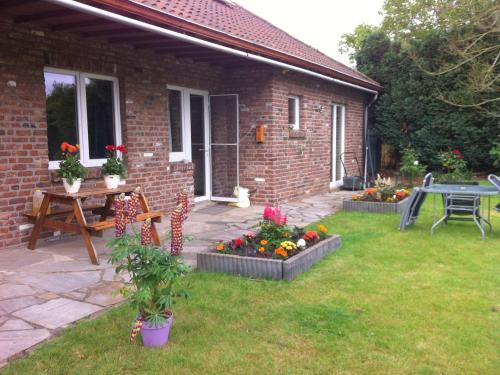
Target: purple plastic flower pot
(156,336)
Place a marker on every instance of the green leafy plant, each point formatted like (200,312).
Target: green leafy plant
(454,167)
(155,274)
(410,164)
(70,166)
(495,155)
(155,277)
(113,164)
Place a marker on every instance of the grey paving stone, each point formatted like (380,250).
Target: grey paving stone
(14,342)
(105,294)
(14,304)
(57,312)
(9,290)
(60,282)
(15,325)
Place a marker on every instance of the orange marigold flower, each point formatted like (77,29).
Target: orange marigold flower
(285,234)
(71,148)
(280,251)
(322,228)
(262,249)
(263,242)
(220,247)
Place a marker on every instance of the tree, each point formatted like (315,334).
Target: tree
(352,42)
(473,32)
(408,113)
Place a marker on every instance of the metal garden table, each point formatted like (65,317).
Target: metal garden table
(462,191)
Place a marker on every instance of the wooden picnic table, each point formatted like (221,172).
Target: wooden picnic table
(42,219)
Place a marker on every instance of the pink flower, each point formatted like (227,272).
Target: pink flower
(267,212)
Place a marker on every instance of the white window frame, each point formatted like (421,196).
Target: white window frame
(185,154)
(81,108)
(296,124)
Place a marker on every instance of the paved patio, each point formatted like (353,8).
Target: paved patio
(45,290)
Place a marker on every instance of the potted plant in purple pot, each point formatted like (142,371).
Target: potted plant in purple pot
(155,277)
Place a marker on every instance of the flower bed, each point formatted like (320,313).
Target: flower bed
(384,197)
(376,207)
(276,250)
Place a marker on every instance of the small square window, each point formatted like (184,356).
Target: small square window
(293,112)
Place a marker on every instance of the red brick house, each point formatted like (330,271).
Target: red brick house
(184,84)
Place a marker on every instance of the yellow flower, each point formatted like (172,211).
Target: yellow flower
(322,228)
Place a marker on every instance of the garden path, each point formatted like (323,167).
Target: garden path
(44,290)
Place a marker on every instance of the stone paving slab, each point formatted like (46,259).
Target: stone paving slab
(48,288)
(15,342)
(56,313)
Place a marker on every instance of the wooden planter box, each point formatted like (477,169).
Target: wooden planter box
(267,268)
(377,207)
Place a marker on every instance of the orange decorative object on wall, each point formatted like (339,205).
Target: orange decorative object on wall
(260,133)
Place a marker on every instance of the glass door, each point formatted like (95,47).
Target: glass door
(199,145)
(224,146)
(338,127)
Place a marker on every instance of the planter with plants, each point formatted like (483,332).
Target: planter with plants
(455,169)
(156,274)
(384,197)
(275,251)
(71,170)
(113,169)
(410,167)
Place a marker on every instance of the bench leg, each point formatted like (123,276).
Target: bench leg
(35,233)
(80,218)
(145,208)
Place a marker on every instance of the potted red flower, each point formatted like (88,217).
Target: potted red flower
(113,169)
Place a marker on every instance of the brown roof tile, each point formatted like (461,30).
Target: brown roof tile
(230,18)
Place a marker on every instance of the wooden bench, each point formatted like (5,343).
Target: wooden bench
(66,224)
(108,224)
(96,210)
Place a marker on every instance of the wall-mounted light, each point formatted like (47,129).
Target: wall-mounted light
(319,109)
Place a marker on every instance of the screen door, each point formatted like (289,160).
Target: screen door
(224,146)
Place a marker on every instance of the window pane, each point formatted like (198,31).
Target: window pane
(62,122)
(100,116)
(175,120)
(291,111)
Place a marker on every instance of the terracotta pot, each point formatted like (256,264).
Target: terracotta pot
(73,188)
(112,181)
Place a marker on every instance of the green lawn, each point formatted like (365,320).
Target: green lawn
(385,303)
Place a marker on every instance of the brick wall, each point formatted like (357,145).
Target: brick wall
(290,163)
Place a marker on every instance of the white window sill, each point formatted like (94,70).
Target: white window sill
(54,165)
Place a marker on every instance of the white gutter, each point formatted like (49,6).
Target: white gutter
(75,5)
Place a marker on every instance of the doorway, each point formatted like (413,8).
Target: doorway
(338,144)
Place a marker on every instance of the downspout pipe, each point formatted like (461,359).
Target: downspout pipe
(88,9)
(365,132)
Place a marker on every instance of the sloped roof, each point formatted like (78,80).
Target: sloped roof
(231,18)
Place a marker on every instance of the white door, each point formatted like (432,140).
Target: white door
(338,144)
(224,146)
(189,134)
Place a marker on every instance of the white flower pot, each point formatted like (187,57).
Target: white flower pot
(112,181)
(73,188)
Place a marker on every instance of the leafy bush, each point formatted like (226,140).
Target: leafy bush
(495,155)
(454,167)
(410,164)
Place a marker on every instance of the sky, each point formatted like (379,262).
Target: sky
(319,23)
